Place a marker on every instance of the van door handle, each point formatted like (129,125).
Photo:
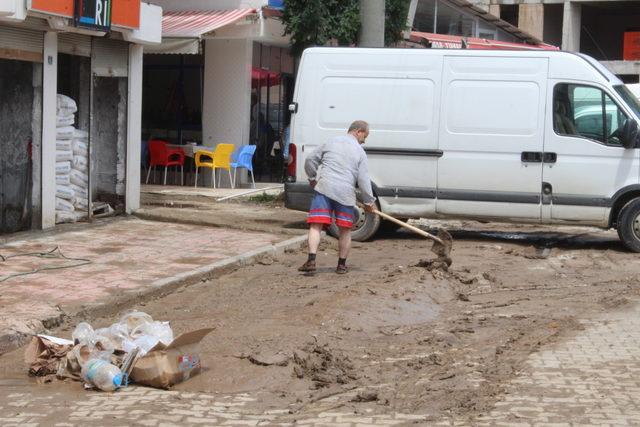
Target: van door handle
(549,158)
(531,157)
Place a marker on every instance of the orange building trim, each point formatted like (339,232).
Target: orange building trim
(124,13)
(53,7)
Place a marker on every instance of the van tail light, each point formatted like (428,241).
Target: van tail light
(291,162)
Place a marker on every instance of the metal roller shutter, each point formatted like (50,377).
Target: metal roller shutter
(110,58)
(74,44)
(21,44)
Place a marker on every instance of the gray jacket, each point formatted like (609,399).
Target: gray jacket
(337,166)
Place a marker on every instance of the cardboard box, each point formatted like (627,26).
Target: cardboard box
(164,366)
(631,51)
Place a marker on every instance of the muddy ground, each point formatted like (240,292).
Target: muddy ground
(430,342)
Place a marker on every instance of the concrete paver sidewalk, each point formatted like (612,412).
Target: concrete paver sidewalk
(588,380)
(126,257)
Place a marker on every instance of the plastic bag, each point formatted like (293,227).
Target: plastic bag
(63,168)
(65,132)
(80,164)
(81,204)
(98,345)
(134,319)
(62,121)
(79,178)
(64,205)
(64,217)
(65,106)
(80,148)
(144,332)
(64,155)
(63,145)
(80,135)
(63,179)
(80,193)
(83,334)
(65,192)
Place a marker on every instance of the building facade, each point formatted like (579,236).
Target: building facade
(602,29)
(224,80)
(92,56)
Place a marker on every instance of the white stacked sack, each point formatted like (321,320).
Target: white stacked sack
(72,181)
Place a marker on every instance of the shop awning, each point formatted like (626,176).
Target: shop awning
(260,78)
(183,30)
(445,41)
(195,23)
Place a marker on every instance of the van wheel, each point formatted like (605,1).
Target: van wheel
(365,226)
(629,225)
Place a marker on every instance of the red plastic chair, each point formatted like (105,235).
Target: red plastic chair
(161,155)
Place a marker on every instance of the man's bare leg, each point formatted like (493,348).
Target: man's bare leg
(345,246)
(313,241)
(345,241)
(315,231)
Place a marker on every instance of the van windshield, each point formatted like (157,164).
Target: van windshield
(629,98)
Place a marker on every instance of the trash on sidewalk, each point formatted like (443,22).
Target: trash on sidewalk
(166,365)
(136,348)
(44,353)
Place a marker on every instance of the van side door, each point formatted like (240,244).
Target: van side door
(584,162)
(491,136)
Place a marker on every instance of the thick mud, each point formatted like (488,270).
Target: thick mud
(417,339)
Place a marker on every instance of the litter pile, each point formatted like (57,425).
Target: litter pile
(136,348)
(72,164)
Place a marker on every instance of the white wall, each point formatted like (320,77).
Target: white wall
(134,126)
(226,112)
(208,4)
(49,91)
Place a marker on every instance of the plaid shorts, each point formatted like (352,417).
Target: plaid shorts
(323,210)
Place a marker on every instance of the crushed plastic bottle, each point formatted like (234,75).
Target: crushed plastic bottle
(102,375)
(84,334)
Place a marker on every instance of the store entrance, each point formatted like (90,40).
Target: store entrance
(16,134)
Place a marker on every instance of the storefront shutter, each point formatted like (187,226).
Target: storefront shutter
(109,58)
(21,44)
(74,44)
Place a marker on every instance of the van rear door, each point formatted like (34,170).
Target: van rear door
(491,135)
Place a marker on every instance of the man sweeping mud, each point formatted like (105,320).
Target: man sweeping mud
(334,169)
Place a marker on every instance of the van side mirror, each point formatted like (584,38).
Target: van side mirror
(630,137)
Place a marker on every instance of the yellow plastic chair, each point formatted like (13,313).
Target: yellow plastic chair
(218,159)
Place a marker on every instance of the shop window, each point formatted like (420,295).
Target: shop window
(271,93)
(587,112)
(425,17)
(509,13)
(453,21)
(173,97)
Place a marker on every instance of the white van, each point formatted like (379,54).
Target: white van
(523,136)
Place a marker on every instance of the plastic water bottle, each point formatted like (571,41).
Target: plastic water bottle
(102,374)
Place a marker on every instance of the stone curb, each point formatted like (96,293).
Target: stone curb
(13,339)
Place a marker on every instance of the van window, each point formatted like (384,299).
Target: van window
(587,112)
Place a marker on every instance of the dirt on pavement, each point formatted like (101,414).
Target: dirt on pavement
(393,334)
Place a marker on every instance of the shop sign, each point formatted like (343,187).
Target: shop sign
(93,14)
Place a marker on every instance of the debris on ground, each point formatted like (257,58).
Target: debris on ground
(366,396)
(45,353)
(434,264)
(263,359)
(136,347)
(322,365)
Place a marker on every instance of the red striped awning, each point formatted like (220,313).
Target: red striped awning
(445,41)
(195,23)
